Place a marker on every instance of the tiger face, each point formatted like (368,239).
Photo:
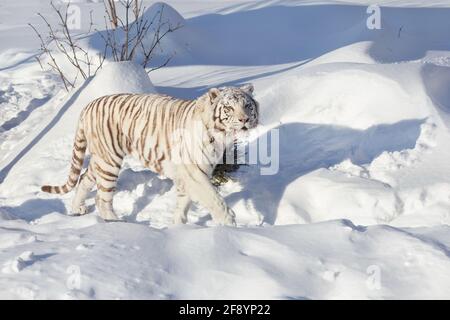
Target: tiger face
(235,109)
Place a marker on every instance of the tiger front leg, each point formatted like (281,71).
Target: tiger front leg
(103,202)
(182,208)
(183,204)
(200,189)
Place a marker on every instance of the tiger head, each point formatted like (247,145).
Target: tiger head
(233,108)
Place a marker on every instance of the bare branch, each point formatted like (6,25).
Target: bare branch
(162,65)
(135,33)
(133,36)
(61,41)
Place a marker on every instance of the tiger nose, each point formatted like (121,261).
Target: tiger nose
(244,120)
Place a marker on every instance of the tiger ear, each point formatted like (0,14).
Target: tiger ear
(213,93)
(247,88)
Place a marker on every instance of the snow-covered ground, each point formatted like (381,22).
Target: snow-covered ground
(359,206)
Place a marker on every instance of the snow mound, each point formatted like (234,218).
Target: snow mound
(119,77)
(169,16)
(436,79)
(355,151)
(174,44)
(323,96)
(362,200)
(17,264)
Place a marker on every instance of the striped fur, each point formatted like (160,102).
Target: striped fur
(181,139)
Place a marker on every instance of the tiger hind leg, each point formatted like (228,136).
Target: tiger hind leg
(87,182)
(106,178)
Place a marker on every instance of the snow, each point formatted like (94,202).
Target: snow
(325,260)
(118,77)
(359,207)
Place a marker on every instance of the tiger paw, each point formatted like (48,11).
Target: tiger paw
(109,216)
(179,219)
(79,211)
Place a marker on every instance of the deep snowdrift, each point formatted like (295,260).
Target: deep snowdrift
(328,260)
(365,139)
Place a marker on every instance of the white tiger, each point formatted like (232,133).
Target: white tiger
(180,139)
